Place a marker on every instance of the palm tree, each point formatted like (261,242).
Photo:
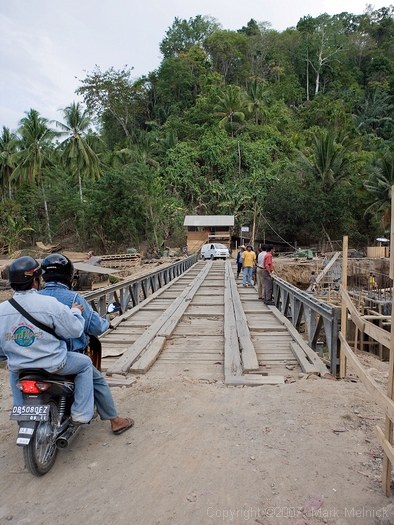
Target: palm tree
(231,107)
(374,115)
(379,184)
(140,149)
(255,98)
(76,150)
(35,152)
(146,147)
(330,162)
(8,147)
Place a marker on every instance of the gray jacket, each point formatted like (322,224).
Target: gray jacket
(26,345)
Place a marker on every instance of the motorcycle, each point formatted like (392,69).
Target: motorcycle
(44,418)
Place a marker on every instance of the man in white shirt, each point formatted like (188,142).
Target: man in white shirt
(260,267)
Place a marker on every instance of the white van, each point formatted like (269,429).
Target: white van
(214,251)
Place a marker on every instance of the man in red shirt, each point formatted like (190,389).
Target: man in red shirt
(268,275)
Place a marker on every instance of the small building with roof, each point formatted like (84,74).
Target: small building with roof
(202,229)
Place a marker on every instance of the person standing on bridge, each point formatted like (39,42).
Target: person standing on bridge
(58,273)
(248,261)
(239,259)
(259,270)
(268,275)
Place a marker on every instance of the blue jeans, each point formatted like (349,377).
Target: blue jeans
(102,396)
(81,366)
(247,275)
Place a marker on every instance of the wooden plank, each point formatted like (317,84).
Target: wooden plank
(254,381)
(254,311)
(232,356)
(370,384)
(142,365)
(248,354)
(164,325)
(326,269)
(388,427)
(272,336)
(379,334)
(269,329)
(312,356)
(202,311)
(282,353)
(305,365)
(386,445)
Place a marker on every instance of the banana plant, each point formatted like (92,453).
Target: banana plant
(14,233)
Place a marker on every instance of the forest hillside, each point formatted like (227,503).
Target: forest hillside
(291,132)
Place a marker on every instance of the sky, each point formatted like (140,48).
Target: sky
(47,45)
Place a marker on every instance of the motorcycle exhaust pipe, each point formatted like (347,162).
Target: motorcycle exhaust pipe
(67,437)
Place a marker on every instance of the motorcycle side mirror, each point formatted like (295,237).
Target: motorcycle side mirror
(114,307)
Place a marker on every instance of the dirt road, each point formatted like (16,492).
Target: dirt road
(208,454)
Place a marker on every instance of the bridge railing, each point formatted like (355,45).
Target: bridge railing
(298,306)
(131,292)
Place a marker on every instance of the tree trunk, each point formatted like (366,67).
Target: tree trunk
(239,160)
(253,233)
(328,237)
(154,229)
(46,211)
(317,82)
(80,184)
(307,75)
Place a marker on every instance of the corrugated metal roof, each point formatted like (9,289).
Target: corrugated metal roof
(209,220)
(92,268)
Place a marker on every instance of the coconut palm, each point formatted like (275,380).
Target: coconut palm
(231,107)
(255,99)
(77,152)
(379,184)
(8,148)
(35,153)
(146,148)
(330,162)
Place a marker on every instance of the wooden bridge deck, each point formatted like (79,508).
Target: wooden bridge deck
(206,325)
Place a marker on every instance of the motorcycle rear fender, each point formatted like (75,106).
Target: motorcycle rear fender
(26,429)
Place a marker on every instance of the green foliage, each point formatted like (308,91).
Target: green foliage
(330,161)
(113,210)
(8,148)
(112,92)
(13,226)
(184,34)
(379,184)
(227,51)
(289,131)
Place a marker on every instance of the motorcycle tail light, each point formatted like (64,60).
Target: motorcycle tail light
(33,387)
(42,386)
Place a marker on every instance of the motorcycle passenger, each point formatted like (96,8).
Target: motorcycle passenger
(58,272)
(27,346)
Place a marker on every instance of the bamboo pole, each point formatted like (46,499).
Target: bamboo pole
(388,428)
(342,362)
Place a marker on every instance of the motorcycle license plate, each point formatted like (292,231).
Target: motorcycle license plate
(30,412)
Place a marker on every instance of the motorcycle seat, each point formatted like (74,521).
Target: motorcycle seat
(39,373)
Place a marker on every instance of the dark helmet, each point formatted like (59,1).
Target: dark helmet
(24,270)
(57,267)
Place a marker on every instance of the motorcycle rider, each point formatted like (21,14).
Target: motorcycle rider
(58,272)
(27,346)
